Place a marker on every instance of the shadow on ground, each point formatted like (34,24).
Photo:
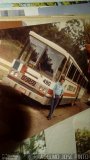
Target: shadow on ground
(21,117)
(15,119)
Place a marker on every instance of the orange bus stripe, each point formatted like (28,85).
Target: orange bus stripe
(71,82)
(69,94)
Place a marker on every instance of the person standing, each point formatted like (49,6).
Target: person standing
(57,95)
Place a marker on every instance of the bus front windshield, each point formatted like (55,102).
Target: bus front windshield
(45,59)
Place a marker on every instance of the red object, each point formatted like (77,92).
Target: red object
(23,69)
(50,91)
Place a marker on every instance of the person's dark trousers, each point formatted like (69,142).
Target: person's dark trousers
(54,104)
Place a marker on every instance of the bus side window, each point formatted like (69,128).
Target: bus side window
(71,71)
(80,79)
(60,69)
(66,67)
(83,83)
(34,56)
(62,64)
(76,76)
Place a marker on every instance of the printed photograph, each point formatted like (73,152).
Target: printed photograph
(44,76)
(33,148)
(82,134)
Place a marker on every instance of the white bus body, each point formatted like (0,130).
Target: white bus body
(30,76)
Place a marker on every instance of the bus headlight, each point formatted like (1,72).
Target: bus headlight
(12,72)
(43,90)
(40,88)
(16,74)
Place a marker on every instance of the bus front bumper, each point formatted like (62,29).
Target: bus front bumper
(44,100)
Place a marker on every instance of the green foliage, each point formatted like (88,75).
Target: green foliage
(87,31)
(66,3)
(47,3)
(32,147)
(74,2)
(82,140)
(69,37)
(16,5)
(34,4)
(44,4)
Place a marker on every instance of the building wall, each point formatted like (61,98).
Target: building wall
(10,24)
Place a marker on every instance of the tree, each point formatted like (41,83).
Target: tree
(45,63)
(74,40)
(34,56)
(82,140)
(74,36)
(87,31)
(87,41)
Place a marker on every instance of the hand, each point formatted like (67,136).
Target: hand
(60,96)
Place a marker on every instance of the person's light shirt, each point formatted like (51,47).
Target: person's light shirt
(58,89)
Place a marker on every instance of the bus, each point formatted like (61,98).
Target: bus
(4,68)
(37,67)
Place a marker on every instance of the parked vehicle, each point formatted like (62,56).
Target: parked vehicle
(40,62)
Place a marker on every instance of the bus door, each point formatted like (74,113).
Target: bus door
(67,67)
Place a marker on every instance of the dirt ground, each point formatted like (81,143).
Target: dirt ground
(39,115)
